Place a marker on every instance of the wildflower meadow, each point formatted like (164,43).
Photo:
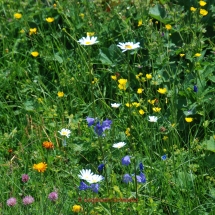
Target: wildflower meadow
(107,107)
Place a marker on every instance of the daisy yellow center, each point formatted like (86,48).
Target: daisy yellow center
(64,133)
(128,46)
(87,42)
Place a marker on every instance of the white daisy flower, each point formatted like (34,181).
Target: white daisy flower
(128,46)
(119,145)
(153,119)
(86,174)
(87,41)
(115,105)
(95,179)
(65,132)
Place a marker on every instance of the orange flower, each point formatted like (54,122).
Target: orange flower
(40,167)
(48,145)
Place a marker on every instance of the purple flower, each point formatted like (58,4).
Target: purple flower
(98,129)
(53,196)
(127,178)
(106,124)
(141,178)
(126,160)
(90,121)
(83,186)
(100,167)
(28,200)
(195,88)
(25,178)
(141,166)
(164,157)
(11,201)
(95,188)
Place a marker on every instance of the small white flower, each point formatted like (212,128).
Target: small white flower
(86,174)
(119,145)
(153,119)
(95,179)
(87,41)
(65,132)
(128,46)
(115,105)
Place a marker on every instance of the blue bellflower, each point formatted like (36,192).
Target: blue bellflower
(90,121)
(141,166)
(195,88)
(164,157)
(95,188)
(126,160)
(127,178)
(98,129)
(106,124)
(101,167)
(141,178)
(83,186)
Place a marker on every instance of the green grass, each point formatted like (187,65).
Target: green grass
(89,77)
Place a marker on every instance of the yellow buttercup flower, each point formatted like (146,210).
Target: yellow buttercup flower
(188,119)
(193,9)
(182,55)
(50,19)
(202,3)
(34,54)
(40,167)
(54,5)
(127,132)
(22,31)
(162,90)
(141,112)
(140,22)
(197,55)
(165,138)
(152,101)
(81,15)
(136,104)
(76,208)
(148,76)
(17,15)
(114,77)
(32,31)
(60,94)
(203,12)
(122,84)
(168,26)
(128,104)
(156,109)
(90,34)
(139,90)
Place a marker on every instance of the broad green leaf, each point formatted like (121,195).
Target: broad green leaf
(209,144)
(157,12)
